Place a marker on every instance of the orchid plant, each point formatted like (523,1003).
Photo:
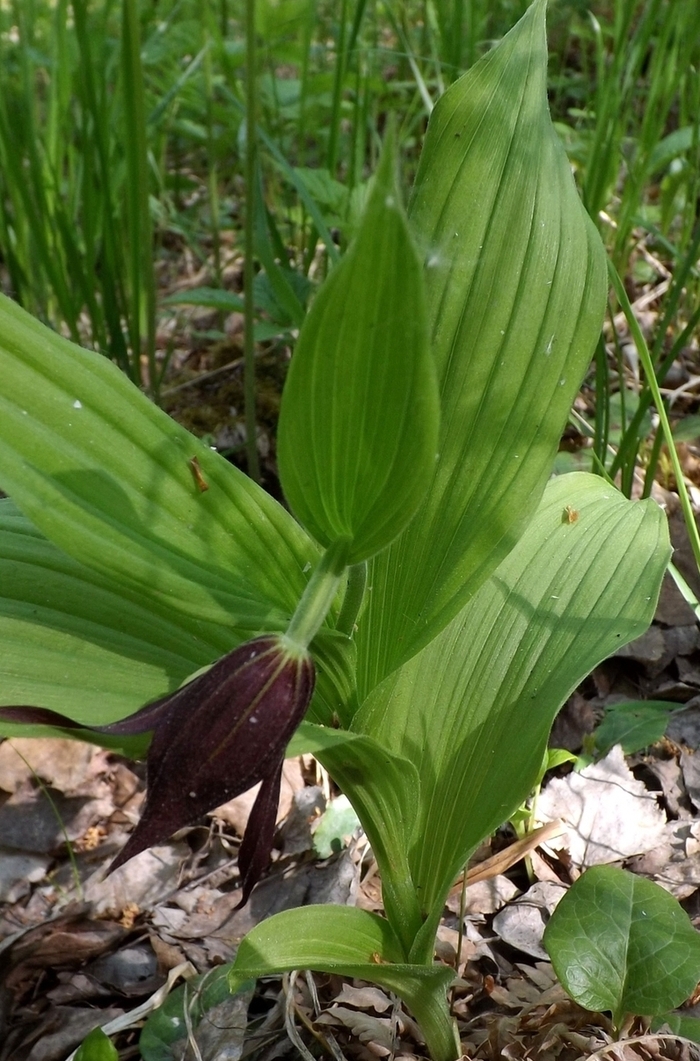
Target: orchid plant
(420,616)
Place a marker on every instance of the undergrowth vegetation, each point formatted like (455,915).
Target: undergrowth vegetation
(428,600)
(123,146)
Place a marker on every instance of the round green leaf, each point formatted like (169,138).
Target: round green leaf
(634,724)
(337,823)
(621,943)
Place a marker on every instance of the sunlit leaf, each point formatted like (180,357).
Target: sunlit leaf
(516,285)
(357,436)
(82,644)
(108,477)
(97,1047)
(335,826)
(473,710)
(73,642)
(385,792)
(350,942)
(621,943)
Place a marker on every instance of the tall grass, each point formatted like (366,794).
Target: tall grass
(636,146)
(122,133)
(77,170)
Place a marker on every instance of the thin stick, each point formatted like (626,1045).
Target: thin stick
(248,239)
(664,425)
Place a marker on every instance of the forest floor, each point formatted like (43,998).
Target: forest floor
(79,949)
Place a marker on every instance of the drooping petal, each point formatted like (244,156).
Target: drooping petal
(213,739)
(221,734)
(37,716)
(254,852)
(142,721)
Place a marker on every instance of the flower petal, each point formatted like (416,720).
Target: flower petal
(254,852)
(220,734)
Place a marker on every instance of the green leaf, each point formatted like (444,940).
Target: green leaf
(621,943)
(473,710)
(211,297)
(687,429)
(76,642)
(671,147)
(516,287)
(688,1027)
(167,1026)
(108,478)
(349,942)
(357,434)
(384,790)
(97,1047)
(325,189)
(82,644)
(335,697)
(336,824)
(634,724)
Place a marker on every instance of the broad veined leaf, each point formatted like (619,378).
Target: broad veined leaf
(205,998)
(350,942)
(110,479)
(384,790)
(473,710)
(516,285)
(358,426)
(633,724)
(620,942)
(77,642)
(71,639)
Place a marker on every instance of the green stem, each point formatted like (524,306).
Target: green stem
(438,1026)
(248,239)
(354,594)
(319,595)
(664,425)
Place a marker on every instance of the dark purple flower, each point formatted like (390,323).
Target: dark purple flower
(213,739)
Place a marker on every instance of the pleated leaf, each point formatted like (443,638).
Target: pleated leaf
(110,479)
(77,642)
(357,437)
(349,942)
(69,638)
(473,710)
(385,791)
(516,285)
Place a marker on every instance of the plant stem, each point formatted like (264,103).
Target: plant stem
(140,229)
(357,580)
(433,1015)
(319,595)
(248,246)
(664,425)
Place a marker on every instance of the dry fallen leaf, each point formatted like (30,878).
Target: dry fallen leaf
(608,813)
(522,922)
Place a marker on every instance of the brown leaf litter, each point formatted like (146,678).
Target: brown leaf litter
(78,951)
